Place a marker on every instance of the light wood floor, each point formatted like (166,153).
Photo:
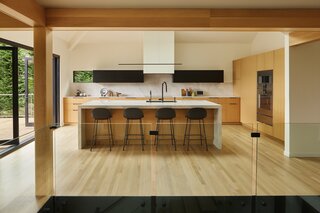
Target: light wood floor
(6,128)
(166,172)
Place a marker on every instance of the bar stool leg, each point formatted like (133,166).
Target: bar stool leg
(173,139)
(205,135)
(185,132)
(93,142)
(200,133)
(125,140)
(157,136)
(142,134)
(109,134)
(190,124)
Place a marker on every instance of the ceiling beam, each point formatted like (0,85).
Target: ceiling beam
(296,38)
(254,19)
(28,12)
(8,22)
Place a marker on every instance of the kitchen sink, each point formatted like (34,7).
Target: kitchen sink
(162,101)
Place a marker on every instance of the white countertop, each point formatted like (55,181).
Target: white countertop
(182,104)
(132,97)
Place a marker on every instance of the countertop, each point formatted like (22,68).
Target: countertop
(181,104)
(132,97)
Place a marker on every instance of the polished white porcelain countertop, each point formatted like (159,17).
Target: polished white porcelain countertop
(182,104)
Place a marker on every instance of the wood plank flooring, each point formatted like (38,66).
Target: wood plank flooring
(165,172)
(7,125)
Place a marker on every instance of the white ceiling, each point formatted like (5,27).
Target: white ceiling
(90,37)
(180,3)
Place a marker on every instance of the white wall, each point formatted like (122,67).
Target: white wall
(304,100)
(60,48)
(191,55)
(210,56)
(267,41)
(21,37)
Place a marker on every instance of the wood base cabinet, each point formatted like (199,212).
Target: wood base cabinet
(230,109)
(70,108)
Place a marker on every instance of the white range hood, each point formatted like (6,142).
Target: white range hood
(158,52)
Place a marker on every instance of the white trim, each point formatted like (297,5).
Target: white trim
(301,155)
(287,94)
(287,153)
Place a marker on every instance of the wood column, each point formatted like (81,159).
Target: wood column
(43,111)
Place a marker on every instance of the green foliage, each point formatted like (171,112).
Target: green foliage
(82,76)
(6,80)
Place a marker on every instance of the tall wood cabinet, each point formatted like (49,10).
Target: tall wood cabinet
(245,86)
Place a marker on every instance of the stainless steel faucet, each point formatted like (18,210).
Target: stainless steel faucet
(150,98)
(164,83)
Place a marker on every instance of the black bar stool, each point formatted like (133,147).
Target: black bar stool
(100,114)
(133,114)
(166,114)
(195,114)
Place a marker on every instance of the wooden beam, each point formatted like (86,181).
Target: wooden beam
(296,38)
(263,19)
(8,22)
(282,19)
(43,111)
(128,18)
(27,11)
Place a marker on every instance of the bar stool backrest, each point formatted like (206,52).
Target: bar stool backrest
(133,113)
(165,113)
(101,114)
(197,113)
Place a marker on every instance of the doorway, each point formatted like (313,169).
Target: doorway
(17,94)
(9,95)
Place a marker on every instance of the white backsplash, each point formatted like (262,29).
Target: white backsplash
(153,82)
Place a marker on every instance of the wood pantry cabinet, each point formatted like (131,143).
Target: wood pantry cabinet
(245,86)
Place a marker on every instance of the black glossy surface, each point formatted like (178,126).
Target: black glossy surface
(181,204)
(118,76)
(198,76)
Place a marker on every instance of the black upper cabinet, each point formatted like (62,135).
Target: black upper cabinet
(118,76)
(198,76)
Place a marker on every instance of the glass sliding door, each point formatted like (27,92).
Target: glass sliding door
(9,98)
(17,93)
(28,92)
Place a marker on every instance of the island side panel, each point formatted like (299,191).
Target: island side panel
(149,122)
(218,128)
(81,128)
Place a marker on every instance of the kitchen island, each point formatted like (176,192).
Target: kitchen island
(212,122)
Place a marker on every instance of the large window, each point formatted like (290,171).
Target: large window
(17,93)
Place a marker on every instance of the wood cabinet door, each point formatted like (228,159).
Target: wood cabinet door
(236,77)
(249,90)
(278,94)
(232,108)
